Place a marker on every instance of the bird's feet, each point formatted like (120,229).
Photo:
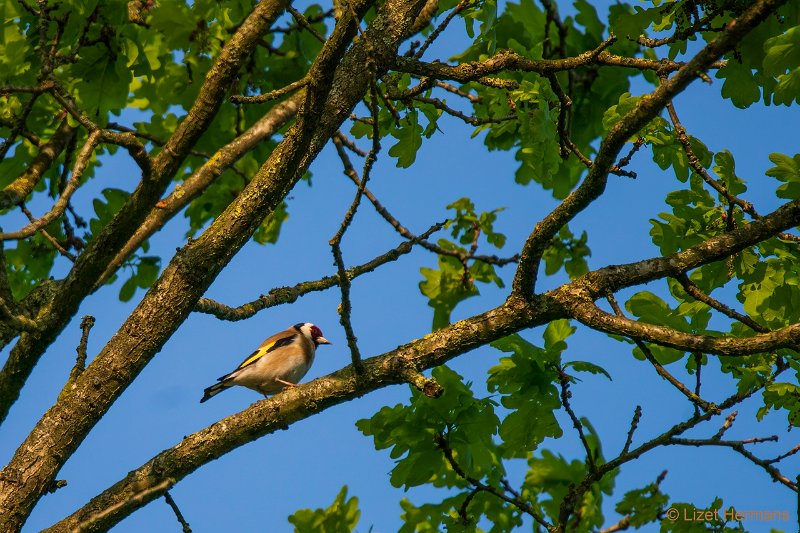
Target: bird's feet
(287,383)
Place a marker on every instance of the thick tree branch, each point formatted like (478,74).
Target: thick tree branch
(91,264)
(333,91)
(507,60)
(272,121)
(594,317)
(297,403)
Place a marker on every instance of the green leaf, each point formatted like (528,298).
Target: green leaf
(103,81)
(270,228)
(143,276)
(782,52)
(105,211)
(569,252)
(726,169)
(446,287)
(341,517)
(644,505)
(740,84)
(585,366)
(465,422)
(409,140)
(786,169)
(526,379)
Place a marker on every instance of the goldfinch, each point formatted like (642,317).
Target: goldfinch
(281,361)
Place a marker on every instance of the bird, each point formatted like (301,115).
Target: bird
(280,362)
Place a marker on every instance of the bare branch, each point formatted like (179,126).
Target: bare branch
(660,370)
(80,361)
(287,295)
(52,240)
(514,500)
(174,506)
(739,447)
(16,191)
(272,95)
(61,204)
(345,306)
(441,27)
(350,172)
(637,415)
(566,394)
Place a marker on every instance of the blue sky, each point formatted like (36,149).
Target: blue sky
(256,487)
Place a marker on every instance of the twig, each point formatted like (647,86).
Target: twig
(295,27)
(695,292)
(449,87)
(427,386)
(272,95)
(441,27)
(517,502)
(304,23)
(729,420)
(563,111)
(739,447)
(784,456)
(566,394)
(721,188)
(660,370)
(286,295)
(637,415)
(80,361)
(698,366)
(472,120)
(684,33)
(89,523)
(349,144)
(61,204)
(345,307)
(181,520)
(402,230)
(52,240)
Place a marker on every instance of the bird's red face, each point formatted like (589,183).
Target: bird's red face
(316,336)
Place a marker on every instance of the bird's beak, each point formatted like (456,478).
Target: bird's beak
(323,340)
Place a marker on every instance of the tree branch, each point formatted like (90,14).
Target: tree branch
(332,93)
(303,401)
(16,191)
(60,206)
(272,121)
(647,108)
(91,264)
(287,295)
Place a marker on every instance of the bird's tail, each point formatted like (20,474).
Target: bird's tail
(213,390)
